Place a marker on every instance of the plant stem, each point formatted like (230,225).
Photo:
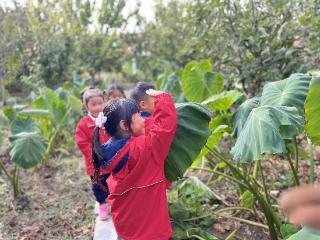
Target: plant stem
(271,216)
(197,218)
(296,153)
(234,180)
(16,183)
(244,221)
(311,173)
(295,175)
(231,235)
(54,136)
(234,209)
(256,169)
(2,167)
(266,192)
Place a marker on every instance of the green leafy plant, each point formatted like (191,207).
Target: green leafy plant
(27,146)
(191,135)
(189,203)
(312,110)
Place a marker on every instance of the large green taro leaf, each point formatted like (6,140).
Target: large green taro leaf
(312,110)
(241,115)
(199,82)
(264,132)
(222,101)
(22,125)
(291,92)
(191,135)
(27,149)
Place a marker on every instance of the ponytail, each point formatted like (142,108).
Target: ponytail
(97,157)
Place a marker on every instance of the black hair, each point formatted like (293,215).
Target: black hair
(138,93)
(115,111)
(113,87)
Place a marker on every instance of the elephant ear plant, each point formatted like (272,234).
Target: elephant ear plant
(27,146)
(35,133)
(205,93)
(264,125)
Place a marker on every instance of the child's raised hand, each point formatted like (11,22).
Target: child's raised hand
(153,93)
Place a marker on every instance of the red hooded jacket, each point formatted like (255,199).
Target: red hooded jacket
(84,137)
(138,191)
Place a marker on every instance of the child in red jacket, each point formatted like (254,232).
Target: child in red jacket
(135,160)
(146,105)
(93,103)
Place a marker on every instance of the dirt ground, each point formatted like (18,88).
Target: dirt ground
(56,203)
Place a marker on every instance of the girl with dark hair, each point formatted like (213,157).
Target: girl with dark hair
(93,103)
(113,91)
(135,161)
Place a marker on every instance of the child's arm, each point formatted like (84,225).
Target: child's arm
(164,125)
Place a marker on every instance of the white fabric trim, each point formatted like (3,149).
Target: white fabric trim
(92,117)
(149,185)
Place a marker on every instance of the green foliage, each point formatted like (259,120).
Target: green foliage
(287,230)
(247,199)
(249,42)
(22,125)
(27,149)
(218,129)
(291,92)
(195,195)
(241,115)
(9,113)
(198,82)
(4,121)
(191,135)
(264,132)
(171,83)
(305,234)
(312,110)
(36,113)
(222,101)
(190,198)
(261,124)
(48,99)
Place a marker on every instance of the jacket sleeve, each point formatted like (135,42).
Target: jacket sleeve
(85,146)
(163,127)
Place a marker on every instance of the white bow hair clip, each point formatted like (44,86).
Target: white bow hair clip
(100,120)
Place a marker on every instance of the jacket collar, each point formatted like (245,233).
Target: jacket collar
(115,153)
(145,114)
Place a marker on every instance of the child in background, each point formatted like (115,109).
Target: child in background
(93,103)
(136,162)
(113,91)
